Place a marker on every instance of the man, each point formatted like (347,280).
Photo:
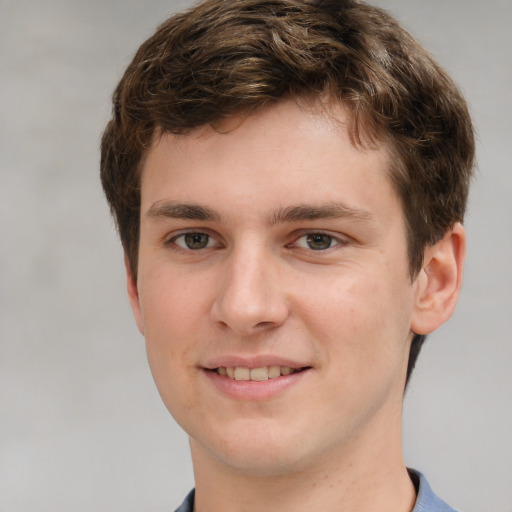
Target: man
(289,180)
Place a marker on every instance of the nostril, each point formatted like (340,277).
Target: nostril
(264,324)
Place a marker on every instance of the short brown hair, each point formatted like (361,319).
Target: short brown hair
(226,57)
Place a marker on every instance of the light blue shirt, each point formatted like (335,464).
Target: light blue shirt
(426,500)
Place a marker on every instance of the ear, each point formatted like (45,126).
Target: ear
(133,295)
(439,281)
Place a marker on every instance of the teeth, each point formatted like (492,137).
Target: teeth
(256,374)
(242,373)
(274,371)
(259,373)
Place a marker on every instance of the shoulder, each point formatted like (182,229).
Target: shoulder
(188,503)
(426,500)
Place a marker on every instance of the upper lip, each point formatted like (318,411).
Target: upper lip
(257,361)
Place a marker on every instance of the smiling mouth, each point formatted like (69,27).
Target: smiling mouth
(256,374)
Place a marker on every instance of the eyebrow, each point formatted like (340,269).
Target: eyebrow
(302,212)
(173,210)
(294,213)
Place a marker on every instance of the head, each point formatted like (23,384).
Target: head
(225,59)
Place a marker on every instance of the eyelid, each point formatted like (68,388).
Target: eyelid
(339,239)
(170,239)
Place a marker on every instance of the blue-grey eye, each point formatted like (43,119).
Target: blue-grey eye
(319,241)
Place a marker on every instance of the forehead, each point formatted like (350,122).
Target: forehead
(303,149)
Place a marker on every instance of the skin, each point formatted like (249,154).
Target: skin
(258,285)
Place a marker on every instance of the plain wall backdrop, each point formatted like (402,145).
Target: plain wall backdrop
(81,425)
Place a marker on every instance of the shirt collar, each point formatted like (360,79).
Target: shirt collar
(426,500)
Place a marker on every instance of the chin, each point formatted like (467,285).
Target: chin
(263,461)
(256,450)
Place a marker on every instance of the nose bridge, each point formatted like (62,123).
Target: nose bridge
(250,297)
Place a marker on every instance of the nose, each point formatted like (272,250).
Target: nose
(251,297)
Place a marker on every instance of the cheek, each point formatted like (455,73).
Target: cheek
(174,323)
(341,304)
(171,303)
(358,323)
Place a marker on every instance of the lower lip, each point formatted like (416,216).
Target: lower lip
(254,390)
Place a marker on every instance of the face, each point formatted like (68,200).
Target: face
(274,251)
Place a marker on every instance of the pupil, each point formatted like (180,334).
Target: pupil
(196,240)
(318,241)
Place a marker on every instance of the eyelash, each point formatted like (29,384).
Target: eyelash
(333,241)
(173,241)
(336,240)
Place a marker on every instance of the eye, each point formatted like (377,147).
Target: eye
(193,241)
(317,241)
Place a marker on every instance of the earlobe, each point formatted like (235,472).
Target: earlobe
(133,295)
(439,281)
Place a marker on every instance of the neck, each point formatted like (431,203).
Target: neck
(372,481)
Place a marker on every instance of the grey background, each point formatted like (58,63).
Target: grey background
(81,425)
